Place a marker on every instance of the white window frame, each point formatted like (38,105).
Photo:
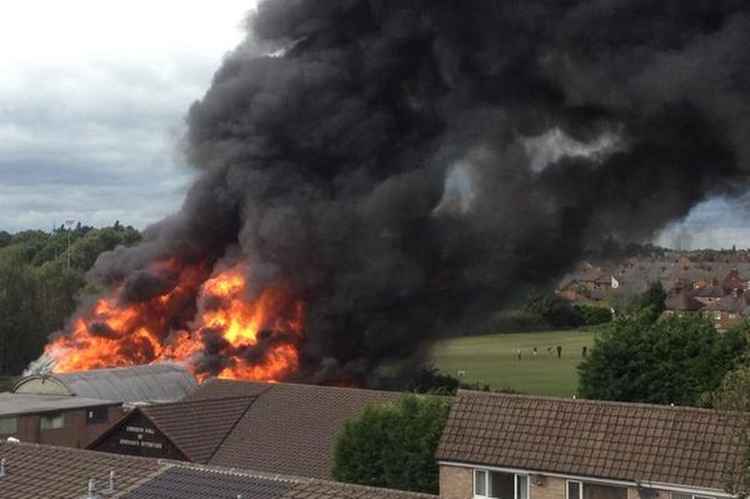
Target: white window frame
(567,489)
(487,483)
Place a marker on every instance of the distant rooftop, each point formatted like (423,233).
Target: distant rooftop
(13,404)
(152,383)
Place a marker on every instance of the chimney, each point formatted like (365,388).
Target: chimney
(2,468)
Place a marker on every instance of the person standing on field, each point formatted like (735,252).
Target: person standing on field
(559,351)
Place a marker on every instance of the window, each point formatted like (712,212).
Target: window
(96,415)
(575,490)
(499,485)
(52,421)
(677,495)
(480,483)
(596,491)
(8,425)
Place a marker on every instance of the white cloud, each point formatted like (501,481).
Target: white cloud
(92,100)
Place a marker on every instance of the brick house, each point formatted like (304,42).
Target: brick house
(54,419)
(523,447)
(72,409)
(591,284)
(682,304)
(727,312)
(733,283)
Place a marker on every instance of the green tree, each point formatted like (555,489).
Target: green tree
(37,289)
(5,238)
(592,315)
(675,360)
(654,297)
(732,400)
(555,311)
(393,445)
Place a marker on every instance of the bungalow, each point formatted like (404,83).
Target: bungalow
(727,312)
(72,409)
(681,304)
(270,427)
(523,447)
(592,284)
(733,283)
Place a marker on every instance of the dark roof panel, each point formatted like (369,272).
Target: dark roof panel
(182,482)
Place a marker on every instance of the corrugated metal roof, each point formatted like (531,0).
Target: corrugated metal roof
(12,404)
(152,383)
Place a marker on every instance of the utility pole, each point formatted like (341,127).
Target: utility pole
(69,225)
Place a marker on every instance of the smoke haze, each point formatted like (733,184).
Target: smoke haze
(405,166)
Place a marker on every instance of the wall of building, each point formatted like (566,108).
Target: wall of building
(76,431)
(457,482)
(136,435)
(546,487)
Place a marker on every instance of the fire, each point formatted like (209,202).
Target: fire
(208,323)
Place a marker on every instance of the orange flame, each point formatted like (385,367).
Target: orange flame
(254,338)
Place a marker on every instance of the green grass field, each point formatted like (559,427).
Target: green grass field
(493,360)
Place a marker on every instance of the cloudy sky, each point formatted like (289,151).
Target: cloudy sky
(92,100)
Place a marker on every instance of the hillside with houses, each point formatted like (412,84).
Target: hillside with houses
(712,284)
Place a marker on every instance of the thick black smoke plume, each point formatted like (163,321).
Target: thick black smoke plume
(405,165)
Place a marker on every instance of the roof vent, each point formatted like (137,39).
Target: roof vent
(111,488)
(91,494)
(2,468)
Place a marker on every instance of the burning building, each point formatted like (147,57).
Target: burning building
(372,173)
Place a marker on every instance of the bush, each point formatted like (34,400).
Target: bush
(593,316)
(556,311)
(393,445)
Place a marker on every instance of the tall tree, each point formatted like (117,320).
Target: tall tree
(393,445)
(675,360)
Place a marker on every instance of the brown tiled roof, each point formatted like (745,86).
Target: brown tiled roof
(683,302)
(222,388)
(319,489)
(38,471)
(291,429)
(197,428)
(45,472)
(633,442)
(729,303)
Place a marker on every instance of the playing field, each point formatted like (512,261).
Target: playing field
(493,360)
